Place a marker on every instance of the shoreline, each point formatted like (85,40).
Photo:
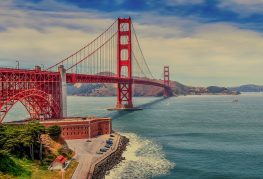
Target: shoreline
(104,166)
(93,163)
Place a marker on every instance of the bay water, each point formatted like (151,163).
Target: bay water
(207,136)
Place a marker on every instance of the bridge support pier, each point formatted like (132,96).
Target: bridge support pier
(63,91)
(124,94)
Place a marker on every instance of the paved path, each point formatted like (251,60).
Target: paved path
(86,153)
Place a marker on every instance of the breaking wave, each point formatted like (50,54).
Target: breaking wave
(143,159)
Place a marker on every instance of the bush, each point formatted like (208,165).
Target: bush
(65,151)
(51,157)
(8,165)
(54,131)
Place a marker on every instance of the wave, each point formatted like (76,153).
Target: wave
(143,159)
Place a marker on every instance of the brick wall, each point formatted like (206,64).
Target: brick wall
(82,129)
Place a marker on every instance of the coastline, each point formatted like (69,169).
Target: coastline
(108,163)
(93,163)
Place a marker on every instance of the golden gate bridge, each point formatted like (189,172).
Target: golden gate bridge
(115,56)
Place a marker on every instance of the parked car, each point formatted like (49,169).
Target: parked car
(103,150)
(109,142)
(99,153)
(108,146)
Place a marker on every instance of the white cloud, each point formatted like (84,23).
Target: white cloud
(247,2)
(214,54)
(198,54)
(46,36)
(182,2)
(243,7)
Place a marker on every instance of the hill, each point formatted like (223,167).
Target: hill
(144,90)
(248,88)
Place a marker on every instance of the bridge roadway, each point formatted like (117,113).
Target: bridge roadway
(25,75)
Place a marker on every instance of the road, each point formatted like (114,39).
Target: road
(86,153)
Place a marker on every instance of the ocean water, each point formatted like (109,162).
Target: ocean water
(183,137)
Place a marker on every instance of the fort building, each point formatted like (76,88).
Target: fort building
(78,127)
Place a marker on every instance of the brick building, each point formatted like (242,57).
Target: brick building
(81,128)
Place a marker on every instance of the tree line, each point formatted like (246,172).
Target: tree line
(23,141)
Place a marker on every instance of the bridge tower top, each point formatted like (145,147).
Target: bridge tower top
(166,80)
(166,76)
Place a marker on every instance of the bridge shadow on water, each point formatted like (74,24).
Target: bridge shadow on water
(118,114)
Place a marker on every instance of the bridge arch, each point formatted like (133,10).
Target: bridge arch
(39,104)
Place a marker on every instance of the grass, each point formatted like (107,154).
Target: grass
(32,170)
(71,169)
(47,174)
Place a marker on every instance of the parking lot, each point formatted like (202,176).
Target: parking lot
(87,152)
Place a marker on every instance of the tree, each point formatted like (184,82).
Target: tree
(20,140)
(35,130)
(54,131)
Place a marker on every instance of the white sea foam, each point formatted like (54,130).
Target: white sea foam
(143,159)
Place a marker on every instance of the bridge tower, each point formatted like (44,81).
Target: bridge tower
(63,91)
(166,80)
(124,63)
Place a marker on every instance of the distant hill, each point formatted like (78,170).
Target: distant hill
(144,90)
(248,88)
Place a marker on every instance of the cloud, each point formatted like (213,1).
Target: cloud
(243,7)
(46,36)
(183,2)
(197,53)
(215,54)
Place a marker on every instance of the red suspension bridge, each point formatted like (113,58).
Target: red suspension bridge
(113,57)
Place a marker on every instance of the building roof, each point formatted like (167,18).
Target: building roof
(64,120)
(60,159)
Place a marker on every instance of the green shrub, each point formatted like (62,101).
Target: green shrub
(65,151)
(8,165)
(50,157)
(54,131)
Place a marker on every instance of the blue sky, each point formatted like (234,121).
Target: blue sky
(205,42)
(205,11)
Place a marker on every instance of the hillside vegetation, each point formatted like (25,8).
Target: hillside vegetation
(27,150)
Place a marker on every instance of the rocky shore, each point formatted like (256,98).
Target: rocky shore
(111,161)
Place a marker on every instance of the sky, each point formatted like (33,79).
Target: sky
(205,42)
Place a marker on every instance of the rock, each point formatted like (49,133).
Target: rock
(103,168)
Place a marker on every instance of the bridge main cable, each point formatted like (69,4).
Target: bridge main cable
(51,68)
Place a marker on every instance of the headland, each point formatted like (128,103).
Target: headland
(95,147)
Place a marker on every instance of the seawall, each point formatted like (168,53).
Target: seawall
(111,161)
